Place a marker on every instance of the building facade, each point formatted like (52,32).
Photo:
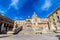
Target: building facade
(54,20)
(6,24)
(52,23)
(36,23)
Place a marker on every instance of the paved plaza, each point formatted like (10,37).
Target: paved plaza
(51,36)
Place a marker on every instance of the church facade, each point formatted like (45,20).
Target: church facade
(46,25)
(36,23)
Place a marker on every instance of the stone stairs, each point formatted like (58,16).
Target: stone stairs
(30,30)
(27,30)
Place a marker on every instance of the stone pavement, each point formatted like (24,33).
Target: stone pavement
(33,37)
(28,34)
(10,33)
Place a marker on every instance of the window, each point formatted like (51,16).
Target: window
(53,19)
(58,17)
(56,12)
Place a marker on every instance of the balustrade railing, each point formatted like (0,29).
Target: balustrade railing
(16,30)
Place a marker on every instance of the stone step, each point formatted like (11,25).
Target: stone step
(10,33)
(27,31)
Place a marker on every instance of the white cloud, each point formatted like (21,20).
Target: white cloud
(46,5)
(21,18)
(2,12)
(17,18)
(14,4)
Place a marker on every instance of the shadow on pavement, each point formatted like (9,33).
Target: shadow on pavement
(4,36)
(58,37)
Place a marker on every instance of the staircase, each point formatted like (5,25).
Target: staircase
(27,30)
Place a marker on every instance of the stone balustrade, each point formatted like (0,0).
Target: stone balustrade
(16,30)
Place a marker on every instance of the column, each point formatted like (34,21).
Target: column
(2,27)
(14,27)
(6,26)
(11,27)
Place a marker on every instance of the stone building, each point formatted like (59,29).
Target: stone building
(36,23)
(6,24)
(18,23)
(54,20)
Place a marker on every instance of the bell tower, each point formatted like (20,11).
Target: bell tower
(34,15)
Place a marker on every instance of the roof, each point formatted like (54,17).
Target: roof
(6,18)
(54,12)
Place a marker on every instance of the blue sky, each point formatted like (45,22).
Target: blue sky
(21,9)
